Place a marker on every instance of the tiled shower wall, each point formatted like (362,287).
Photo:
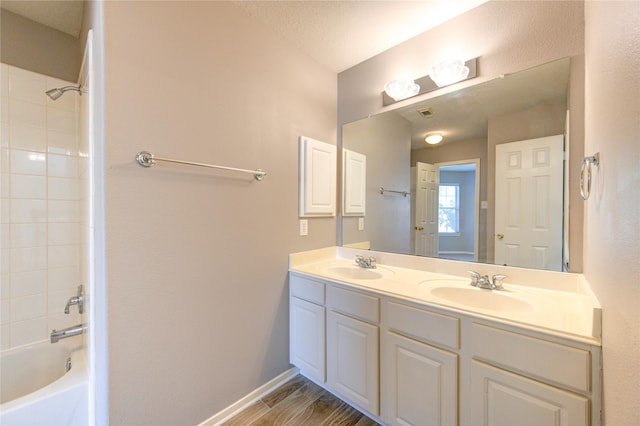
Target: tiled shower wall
(42,206)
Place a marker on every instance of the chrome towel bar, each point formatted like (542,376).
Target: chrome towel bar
(403,193)
(147,159)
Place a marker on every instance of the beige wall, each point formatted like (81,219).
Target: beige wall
(507,37)
(34,47)
(612,246)
(197,259)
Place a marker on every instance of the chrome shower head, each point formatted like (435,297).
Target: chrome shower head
(58,91)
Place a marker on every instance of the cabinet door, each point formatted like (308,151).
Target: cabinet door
(419,383)
(352,360)
(503,398)
(306,338)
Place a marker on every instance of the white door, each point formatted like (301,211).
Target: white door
(529,203)
(426,218)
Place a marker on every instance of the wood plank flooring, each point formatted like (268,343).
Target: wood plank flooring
(300,402)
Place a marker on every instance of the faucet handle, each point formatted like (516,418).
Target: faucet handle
(496,281)
(475,278)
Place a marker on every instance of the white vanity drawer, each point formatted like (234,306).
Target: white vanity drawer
(549,361)
(353,304)
(307,289)
(423,325)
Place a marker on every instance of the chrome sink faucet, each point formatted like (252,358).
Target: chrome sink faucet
(76,300)
(366,262)
(483,281)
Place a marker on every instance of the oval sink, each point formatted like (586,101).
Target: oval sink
(491,300)
(357,273)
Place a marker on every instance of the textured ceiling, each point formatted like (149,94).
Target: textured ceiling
(341,34)
(338,34)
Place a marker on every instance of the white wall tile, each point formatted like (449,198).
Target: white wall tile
(5,311)
(4,109)
(63,211)
(59,320)
(21,112)
(61,119)
(5,260)
(28,187)
(5,285)
(27,86)
(28,235)
(32,138)
(4,135)
(62,279)
(62,166)
(5,236)
(5,210)
(63,233)
(28,307)
(28,211)
(33,330)
(63,189)
(5,186)
(4,160)
(28,283)
(28,259)
(63,256)
(60,142)
(5,336)
(28,162)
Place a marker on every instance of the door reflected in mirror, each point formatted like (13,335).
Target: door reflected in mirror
(464,204)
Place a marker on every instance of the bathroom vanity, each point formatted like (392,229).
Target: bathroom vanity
(411,342)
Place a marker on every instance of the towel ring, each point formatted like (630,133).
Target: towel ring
(587,163)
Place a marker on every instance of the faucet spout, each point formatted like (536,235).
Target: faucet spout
(57,335)
(366,262)
(76,300)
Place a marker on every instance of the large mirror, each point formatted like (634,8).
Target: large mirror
(492,191)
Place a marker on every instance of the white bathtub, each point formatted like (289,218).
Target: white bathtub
(37,388)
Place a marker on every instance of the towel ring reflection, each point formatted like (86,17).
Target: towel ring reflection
(587,163)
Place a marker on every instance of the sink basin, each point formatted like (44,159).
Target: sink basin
(357,273)
(492,300)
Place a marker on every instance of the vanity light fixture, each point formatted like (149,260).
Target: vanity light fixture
(448,72)
(442,74)
(401,88)
(433,139)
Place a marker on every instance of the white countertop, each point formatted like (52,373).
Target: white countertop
(559,304)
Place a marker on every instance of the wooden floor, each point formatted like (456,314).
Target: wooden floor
(300,402)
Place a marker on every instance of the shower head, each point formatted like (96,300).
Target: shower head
(58,91)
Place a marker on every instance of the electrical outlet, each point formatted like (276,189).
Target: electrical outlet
(304,227)
(361,224)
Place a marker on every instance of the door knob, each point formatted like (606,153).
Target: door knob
(500,236)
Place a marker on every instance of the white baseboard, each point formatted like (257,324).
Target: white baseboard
(249,399)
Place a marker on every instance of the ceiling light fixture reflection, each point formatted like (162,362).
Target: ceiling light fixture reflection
(401,88)
(433,139)
(448,72)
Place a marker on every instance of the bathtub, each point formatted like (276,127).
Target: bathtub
(37,389)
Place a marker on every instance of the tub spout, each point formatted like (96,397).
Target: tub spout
(56,335)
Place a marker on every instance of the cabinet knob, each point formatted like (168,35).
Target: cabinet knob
(418,228)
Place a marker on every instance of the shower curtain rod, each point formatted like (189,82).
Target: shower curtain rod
(147,159)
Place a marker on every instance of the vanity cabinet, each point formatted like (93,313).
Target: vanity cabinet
(353,347)
(419,379)
(409,363)
(526,380)
(307,327)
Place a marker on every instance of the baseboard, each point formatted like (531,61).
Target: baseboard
(249,399)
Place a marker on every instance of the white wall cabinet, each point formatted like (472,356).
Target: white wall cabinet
(317,178)
(409,364)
